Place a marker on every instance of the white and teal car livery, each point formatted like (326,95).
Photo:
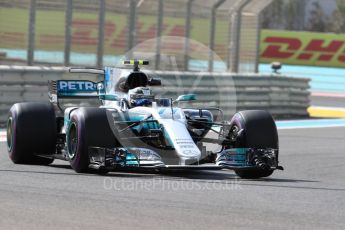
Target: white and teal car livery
(132,128)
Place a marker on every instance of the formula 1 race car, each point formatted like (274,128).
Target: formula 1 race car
(133,129)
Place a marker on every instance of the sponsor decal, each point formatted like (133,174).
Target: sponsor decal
(145,154)
(186,146)
(184,142)
(190,152)
(83,86)
(237,154)
(303,48)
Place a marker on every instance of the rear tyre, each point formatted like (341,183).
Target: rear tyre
(31,131)
(88,127)
(259,131)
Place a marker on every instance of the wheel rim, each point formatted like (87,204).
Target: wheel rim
(234,132)
(72,141)
(9,134)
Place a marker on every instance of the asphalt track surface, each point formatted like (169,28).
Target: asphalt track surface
(309,194)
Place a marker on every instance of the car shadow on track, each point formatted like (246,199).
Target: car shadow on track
(228,175)
(199,175)
(194,175)
(151,173)
(179,174)
(72,173)
(292,186)
(269,179)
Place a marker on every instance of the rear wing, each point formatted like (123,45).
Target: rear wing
(89,89)
(84,70)
(72,89)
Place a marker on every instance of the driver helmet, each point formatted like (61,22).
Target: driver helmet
(140,96)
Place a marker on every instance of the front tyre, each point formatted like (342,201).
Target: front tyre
(88,127)
(31,131)
(259,131)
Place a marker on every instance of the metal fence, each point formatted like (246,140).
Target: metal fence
(202,35)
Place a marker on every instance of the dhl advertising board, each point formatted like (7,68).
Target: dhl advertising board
(303,48)
(297,48)
(50,30)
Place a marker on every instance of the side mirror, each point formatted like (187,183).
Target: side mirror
(155,82)
(100,87)
(186,97)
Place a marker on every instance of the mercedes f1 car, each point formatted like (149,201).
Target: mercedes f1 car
(132,128)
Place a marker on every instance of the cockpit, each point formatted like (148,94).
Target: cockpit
(133,86)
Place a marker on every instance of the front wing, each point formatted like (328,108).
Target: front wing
(133,157)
